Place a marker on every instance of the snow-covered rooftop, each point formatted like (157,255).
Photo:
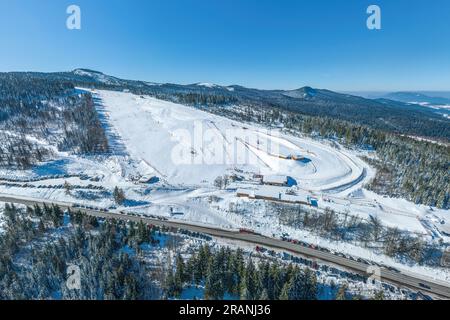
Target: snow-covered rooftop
(275,179)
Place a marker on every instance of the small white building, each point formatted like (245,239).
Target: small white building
(275,180)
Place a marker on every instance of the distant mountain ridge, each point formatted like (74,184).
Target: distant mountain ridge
(384,113)
(417,97)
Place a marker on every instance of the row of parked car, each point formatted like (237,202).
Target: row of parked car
(285,237)
(287,257)
(49,186)
(141,215)
(86,207)
(133,214)
(50,177)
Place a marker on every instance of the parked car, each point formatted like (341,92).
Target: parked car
(423,285)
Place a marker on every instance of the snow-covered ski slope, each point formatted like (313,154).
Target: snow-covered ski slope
(187,146)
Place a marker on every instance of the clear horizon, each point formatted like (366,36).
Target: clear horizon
(257,44)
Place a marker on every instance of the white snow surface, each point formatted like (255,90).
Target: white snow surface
(158,132)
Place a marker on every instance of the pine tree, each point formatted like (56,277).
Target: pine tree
(301,286)
(67,188)
(202,263)
(37,211)
(274,285)
(119,196)
(180,275)
(264,276)
(309,285)
(41,226)
(237,270)
(284,293)
(264,295)
(214,287)
(250,288)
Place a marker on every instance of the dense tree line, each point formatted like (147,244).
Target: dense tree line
(26,95)
(200,99)
(407,168)
(35,269)
(226,272)
(47,109)
(83,132)
(40,243)
(17,151)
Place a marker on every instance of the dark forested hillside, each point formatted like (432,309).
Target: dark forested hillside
(27,96)
(225,272)
(49,110)
(32,267)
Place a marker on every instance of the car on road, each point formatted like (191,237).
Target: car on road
(247,231)
(360,260)
(423,285)
(393,269)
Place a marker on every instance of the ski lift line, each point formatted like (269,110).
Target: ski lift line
(247,146)
(163,176)
(273,155)
(224,137)
(221,133)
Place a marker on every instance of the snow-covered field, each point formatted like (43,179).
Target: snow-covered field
(186,146)
(167,157)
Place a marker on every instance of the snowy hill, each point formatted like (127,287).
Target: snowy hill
(97,76)
(189,146)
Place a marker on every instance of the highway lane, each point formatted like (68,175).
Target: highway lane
(406,279)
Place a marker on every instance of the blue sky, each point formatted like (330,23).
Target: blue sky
(256,43)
